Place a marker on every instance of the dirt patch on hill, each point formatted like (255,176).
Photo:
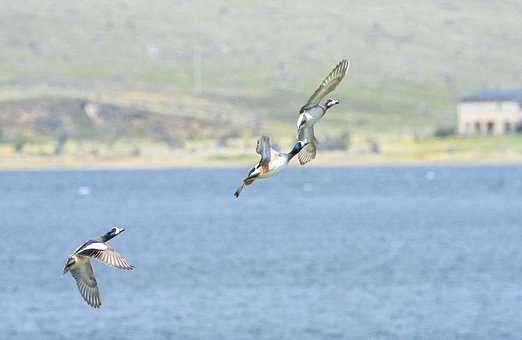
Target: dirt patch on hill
(98,119)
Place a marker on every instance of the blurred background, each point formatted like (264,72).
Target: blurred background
(145,115)
(132,83)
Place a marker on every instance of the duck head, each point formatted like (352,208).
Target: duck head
(115,231)
(296,148)
(330,102)
(112,233)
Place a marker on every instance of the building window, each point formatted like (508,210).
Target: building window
(491,128)
(468,128)
(477,127)
(508,128)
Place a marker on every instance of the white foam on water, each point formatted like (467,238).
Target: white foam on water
(430,175)
(84,191)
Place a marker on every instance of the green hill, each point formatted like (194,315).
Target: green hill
(410,59)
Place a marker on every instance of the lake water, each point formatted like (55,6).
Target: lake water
(315,253)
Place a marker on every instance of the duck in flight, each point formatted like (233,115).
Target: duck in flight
(271,163)
(315,109)
(79,265)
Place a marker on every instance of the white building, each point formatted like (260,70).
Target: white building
(490,112)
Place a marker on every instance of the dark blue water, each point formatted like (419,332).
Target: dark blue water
(315,253)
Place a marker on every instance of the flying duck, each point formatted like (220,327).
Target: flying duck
(314,110)
(271,163)
(79,265)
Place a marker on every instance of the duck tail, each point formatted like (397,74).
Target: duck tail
(239,188)
(247,181)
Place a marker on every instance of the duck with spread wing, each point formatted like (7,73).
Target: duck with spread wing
(79,265)
(315,108)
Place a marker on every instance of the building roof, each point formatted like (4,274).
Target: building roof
(494,96)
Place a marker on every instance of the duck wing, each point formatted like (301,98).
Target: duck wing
(328,84)
(80,248)
(264,147)
(87,284)
(105,254)
(309,151)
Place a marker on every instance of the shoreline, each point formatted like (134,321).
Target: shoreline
(200,164)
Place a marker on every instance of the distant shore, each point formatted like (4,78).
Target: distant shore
(393,151)
(323,160)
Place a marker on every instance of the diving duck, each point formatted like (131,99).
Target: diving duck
(79,265)
(314,110)
(271,163)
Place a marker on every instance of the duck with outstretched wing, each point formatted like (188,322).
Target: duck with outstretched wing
(315,109)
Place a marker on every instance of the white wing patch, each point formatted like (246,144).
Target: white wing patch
(108,256)
(96,246)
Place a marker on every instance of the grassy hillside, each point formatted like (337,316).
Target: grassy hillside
(215,75)
(410,59)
